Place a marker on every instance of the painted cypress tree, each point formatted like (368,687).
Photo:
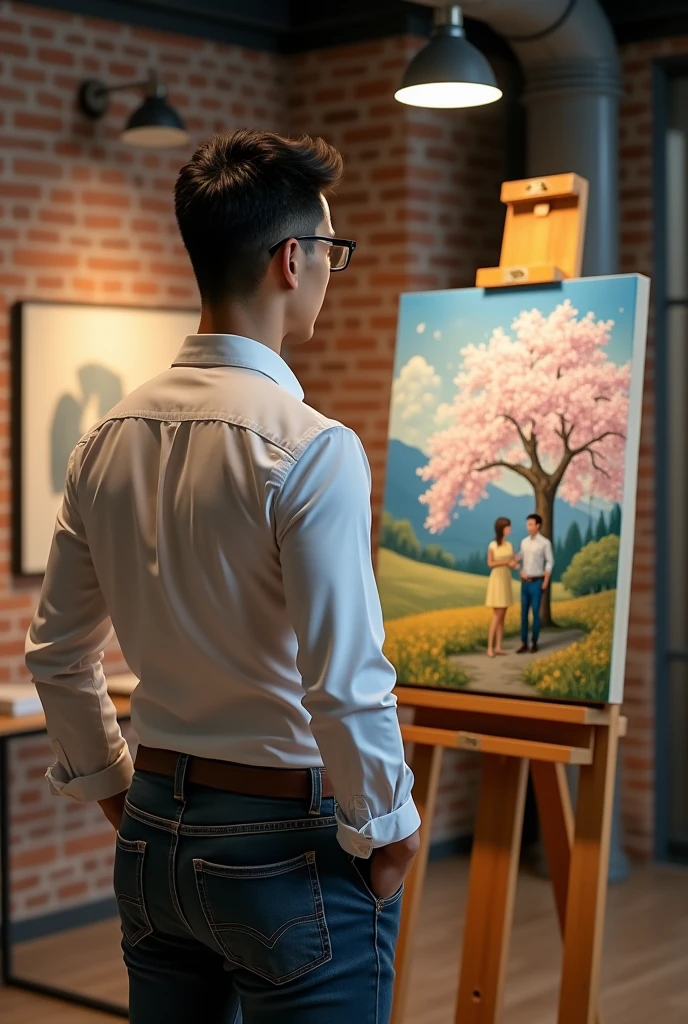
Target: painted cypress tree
(572,545)
(615,520)
(589,535)
(601,530)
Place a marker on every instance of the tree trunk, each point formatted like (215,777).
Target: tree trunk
(544,506)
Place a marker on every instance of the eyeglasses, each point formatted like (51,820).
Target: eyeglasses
(339,253)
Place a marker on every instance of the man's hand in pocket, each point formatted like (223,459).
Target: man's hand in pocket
(113,809)
(389,866)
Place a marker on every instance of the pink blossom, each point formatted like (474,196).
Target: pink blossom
(546,403)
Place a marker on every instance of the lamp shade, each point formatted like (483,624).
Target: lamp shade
(448,72)
(155,125)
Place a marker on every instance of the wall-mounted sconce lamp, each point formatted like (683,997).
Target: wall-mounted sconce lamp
(153,125)
(449,72)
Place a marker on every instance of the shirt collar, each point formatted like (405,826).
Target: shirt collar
(233,350)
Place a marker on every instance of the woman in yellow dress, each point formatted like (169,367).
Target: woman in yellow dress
(501,560)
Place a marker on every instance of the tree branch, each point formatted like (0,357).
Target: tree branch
(598,469)
(596,440)
(523,471)
(529,443)
(510,419)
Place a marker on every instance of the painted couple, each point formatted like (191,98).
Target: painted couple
(535,562)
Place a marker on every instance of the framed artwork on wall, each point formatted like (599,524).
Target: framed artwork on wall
(509,513)
(71,363)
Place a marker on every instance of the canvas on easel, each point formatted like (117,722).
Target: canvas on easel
(508,402)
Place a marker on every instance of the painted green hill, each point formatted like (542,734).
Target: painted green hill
(408,587)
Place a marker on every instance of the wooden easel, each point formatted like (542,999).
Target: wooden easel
(544,231)
(512,735)
(543,242)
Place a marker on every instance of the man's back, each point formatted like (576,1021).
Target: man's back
(177,492)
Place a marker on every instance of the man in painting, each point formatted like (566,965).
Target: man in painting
(537,562)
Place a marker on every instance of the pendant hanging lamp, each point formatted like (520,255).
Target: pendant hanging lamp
(449,72)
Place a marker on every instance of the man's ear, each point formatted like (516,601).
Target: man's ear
(290,267)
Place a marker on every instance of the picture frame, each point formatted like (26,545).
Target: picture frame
(71,362)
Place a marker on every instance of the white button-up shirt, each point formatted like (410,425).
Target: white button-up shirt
(537,555)
(223,528)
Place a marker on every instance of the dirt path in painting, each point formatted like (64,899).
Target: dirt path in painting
(504,675)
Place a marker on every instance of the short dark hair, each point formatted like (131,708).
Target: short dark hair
(536,517)
(242,192)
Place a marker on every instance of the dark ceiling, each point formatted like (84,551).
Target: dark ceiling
(291,26)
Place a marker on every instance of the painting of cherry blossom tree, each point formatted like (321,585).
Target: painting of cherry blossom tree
(508,404)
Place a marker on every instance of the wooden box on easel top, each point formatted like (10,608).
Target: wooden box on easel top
(544,231)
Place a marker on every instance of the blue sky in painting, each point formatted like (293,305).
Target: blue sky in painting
(463,316)
(437,325)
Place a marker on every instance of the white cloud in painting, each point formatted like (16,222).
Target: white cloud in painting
(437,335)
(415,402)
(420,328)
(444,416)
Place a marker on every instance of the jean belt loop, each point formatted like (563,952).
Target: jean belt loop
(316,791)
(180,777)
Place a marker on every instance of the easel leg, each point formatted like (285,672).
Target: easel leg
(556,823)
(587,890)
(494,868)
(426,765)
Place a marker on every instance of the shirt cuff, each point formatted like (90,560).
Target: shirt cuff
(114,779)
(389,828)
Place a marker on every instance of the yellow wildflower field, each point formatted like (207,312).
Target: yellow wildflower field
(418,646)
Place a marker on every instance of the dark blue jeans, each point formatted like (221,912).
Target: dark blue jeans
(237,907)
(531,597)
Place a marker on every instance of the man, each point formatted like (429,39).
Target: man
(223,528)
(537,562)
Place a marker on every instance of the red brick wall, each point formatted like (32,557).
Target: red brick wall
(635,153)
(61,852)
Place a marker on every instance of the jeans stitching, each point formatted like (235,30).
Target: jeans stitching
(319,904)
(171,866)
(316,792)
(262,828)
(251,828)
(268,941)
(283,979)
(377,967)
(180,796)
(260,871)
(127,846)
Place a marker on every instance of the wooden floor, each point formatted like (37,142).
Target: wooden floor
(645,971)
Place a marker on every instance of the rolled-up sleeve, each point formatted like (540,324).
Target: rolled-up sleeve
(323,524)
(64,651)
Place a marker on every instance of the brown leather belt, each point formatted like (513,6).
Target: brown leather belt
(289,783)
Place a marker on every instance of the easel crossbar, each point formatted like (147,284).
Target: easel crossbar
(490,744)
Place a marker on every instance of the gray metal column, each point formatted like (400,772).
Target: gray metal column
(573,125)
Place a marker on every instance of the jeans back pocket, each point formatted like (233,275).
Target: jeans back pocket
(128,878)
(268,918)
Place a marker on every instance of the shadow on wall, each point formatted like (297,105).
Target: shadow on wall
(101,389)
